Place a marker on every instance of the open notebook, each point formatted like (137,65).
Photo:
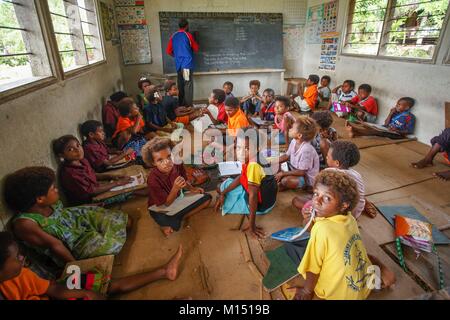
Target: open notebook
(137,181)
(230,168)
(179,204)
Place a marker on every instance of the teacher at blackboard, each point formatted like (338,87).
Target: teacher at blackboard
(182,46)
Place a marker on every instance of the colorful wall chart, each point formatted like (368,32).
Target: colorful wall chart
(314,24)
(328,54)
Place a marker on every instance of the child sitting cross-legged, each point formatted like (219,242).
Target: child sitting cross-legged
(167,183)
(335,264)
(307,100)
(18,282)
(254,191)
(267,112)
(364,105)
(325,136)
(302,157)
(341,94)
(251,104)
(283,120)
(95,149)
(400,122)
(78,180)
(64,234)
(175,112)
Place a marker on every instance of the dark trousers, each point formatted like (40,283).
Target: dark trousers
(186,89)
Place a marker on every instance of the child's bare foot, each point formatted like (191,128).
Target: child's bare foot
(422,164)
(349,129)
(387,278)
(370,209)
(167,231)
(443,175)
(172,266)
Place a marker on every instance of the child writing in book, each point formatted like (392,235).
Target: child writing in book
(228,88)
(251,103)
(335,264)
(283,119)
(440,143)
(254,191)
(364,105)
(267,112)
(307,100)
(78,180)
(325,136)
(65,234)
(399,123)
(18,282)
(167,183)
(301,155)
(95,149)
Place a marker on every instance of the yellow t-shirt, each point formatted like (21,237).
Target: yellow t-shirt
(255,173)
(238,121)
(336,253)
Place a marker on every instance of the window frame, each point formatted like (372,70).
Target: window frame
(389,12)
(26,86)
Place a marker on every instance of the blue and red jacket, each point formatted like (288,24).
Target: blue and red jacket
(182,46)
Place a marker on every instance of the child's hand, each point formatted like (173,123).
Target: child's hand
(179,183)
(128,152)
(279,176)
(197,190)
(306,213)
(219,201)
(123,181)
(302,293)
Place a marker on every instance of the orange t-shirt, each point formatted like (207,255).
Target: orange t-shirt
(310,96)
(124,123)
(238,121)
(26,286)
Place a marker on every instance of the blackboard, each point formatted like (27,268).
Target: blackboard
(228,40)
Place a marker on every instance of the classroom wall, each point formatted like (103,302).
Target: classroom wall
(28,124)
(428,83)
(204,84)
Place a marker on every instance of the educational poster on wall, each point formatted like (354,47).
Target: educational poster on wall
(106,21)
(328,54)
(293,42)
(130,15)
(120,3)
(330,14)
(135,42)
(115,40)
(314,24)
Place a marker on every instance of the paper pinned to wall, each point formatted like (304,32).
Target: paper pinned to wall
(328,54)
(314,24)
(130,15)
(293,38)
(294,12)
(330,14)
(135,42)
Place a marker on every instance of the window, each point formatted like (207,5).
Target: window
(77,34)
(23,55)
(395,28)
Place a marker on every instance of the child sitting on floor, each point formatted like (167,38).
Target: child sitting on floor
(95,149)
(325,136)
(228,88)
(18,282)
(324,90)
(283,119)
(365,105)
(400,122)
(174,111)
(214,113)
(267,112)
(143,85)
(254,191)
(251,103)
(78,180)
(335,264)
(130,128)
(301,156)
(166,182)
(236,117)
(307,100)
(65,234)
(343,93)
(110,113)
(439,143)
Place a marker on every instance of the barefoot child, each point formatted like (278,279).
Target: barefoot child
(254,191)
(18,282)
(325,136)
(166,184)
(283,120)
(335,263)
(65,234)
(439,143)
(400,122)
(364,105)
(267,112)
(95,149)
(301,155)
(78,180)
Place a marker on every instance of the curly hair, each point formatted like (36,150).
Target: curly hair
(89,126)
(255,83)
(228,83)
(232,102)
(323,119)
(155,145)
(23,187)
(343,186)
(307,127)
(125,106)
(284,100)
(346,152)
(219,95)
(60,144)
(142,81)
(6,240)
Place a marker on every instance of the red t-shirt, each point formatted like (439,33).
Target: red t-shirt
(370,104)
(96,152)
(110,115)
(78,182)
(160,184)
(222,115)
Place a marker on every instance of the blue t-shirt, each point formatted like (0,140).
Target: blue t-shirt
(182,44)
(156,114)
(403,121)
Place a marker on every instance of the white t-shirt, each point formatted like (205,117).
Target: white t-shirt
(202,123)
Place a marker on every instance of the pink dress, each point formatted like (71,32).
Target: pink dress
(280,120)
